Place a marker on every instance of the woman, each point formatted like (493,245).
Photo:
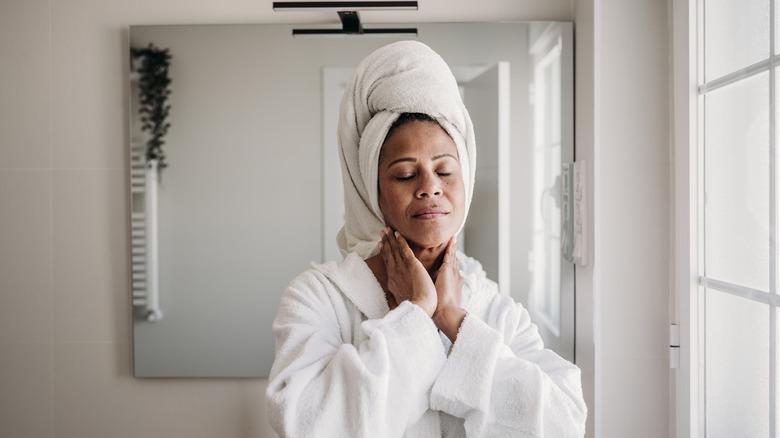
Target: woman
(407,337)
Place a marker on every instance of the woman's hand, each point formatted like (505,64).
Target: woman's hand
(449,283)
(407,278)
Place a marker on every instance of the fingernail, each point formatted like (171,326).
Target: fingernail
(396,234)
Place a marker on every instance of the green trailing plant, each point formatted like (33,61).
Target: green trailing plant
(154,89)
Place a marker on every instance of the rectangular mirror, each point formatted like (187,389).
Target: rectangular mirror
(235,180)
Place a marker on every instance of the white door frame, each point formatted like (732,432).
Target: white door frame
(686,300)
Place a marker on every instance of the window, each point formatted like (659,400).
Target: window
(727,381)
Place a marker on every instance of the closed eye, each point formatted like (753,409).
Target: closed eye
(409,177)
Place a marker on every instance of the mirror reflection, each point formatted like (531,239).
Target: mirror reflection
(236,183)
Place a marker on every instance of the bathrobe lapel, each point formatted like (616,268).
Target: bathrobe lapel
(356,281)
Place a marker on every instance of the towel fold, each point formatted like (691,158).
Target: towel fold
(404,76)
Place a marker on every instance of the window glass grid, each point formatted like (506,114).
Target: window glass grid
(737,33)
(771,65)
(737,398)
(737,180)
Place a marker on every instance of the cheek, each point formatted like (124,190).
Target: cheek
(392,200)
(457,194)
(459,202)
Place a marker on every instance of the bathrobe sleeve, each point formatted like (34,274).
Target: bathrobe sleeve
(503,382)
(321,385)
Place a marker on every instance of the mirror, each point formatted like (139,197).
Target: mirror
(235,182)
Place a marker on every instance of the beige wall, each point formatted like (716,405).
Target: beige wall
(65,328)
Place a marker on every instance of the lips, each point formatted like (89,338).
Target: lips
(430,213)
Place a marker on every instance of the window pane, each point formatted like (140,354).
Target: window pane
(737,366)
(736,34)
(736,150)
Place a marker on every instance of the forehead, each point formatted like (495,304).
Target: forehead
(418,139)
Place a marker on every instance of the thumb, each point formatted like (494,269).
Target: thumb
(449,257)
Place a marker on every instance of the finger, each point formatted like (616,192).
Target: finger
(447,253)
(395,249)
(451,260)
(455,263)
(387,253)
(385,246)
(406,250)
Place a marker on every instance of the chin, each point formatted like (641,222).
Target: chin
(429,238)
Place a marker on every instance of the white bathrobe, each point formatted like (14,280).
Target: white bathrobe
(345,366)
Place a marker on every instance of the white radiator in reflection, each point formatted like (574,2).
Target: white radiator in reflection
(143,188)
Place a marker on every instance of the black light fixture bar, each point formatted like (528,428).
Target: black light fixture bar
(389,30)
(342,5)
(350,19)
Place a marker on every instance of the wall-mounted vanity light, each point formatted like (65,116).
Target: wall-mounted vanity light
(350,19)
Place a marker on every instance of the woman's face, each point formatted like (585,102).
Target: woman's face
(421,191)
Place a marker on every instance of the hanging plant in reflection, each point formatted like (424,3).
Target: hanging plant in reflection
(154,89)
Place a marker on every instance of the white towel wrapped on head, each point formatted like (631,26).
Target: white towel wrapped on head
(405,76)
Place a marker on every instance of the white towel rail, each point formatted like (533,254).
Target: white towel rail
(145,262)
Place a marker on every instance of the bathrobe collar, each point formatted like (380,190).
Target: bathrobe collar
(356,281)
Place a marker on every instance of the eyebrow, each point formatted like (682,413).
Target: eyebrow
(414,160)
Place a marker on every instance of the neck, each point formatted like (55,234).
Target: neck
(431,258)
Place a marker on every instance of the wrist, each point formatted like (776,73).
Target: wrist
(425,307)
(446,312)
(448,320)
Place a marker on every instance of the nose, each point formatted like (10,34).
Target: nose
(430,186)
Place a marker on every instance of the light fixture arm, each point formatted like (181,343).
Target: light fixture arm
(348,14)
(350,22)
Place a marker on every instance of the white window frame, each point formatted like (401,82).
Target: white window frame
(688,408)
